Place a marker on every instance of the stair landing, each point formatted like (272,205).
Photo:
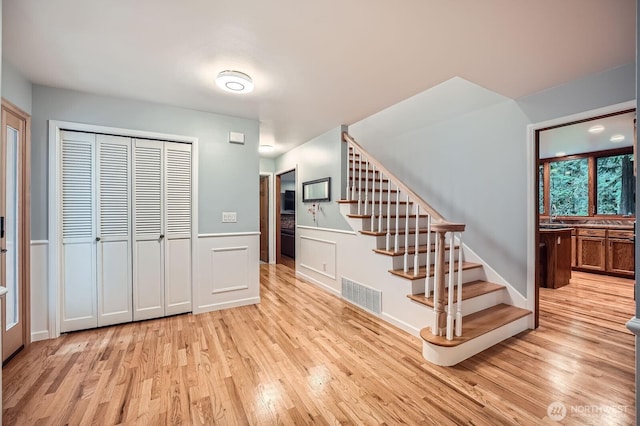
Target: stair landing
(477,324)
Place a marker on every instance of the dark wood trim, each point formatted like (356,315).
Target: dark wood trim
(613,114)
(277,213)
(536,242)
(592,154)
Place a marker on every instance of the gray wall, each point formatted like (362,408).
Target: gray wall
(318,158)
(15,87)
(228,173)
(464,150)
(594,91)
(267,165)
(470,165)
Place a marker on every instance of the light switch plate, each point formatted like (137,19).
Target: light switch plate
(229,217)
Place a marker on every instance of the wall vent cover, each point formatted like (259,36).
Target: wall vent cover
(361,295)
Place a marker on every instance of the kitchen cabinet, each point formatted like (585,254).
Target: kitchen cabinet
(606,250)
(620,252)
(288,243)
(574,255)
(591,249)
(555,258)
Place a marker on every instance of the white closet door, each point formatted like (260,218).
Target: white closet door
(178,228)
(114,230)
(148,245)
(78,291)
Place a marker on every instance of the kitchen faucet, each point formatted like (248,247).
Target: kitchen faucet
(554,213)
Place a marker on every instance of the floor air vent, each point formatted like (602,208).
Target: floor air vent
(363,296)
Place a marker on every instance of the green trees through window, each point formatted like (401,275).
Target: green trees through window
(570,187)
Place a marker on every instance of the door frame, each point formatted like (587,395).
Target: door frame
(24,252)
(533,289)
(54,203)
(272,223)
(278,186)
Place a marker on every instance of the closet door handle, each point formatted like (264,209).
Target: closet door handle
(97,239)
(161,236)
(3,250)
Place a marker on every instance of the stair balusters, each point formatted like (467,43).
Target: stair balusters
(445,322)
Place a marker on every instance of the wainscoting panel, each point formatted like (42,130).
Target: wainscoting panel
(318,255)
(39,291)
(228,271)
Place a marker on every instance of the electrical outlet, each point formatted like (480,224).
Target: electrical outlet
(229,217)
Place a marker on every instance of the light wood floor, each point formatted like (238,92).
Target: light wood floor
(303,356)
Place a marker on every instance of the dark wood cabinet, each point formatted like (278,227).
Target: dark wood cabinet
(591,249)
(621,253)
(288,244)
(574,255)
(555,257)
(606,250)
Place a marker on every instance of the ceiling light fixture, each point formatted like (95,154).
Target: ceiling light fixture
(264,149)
(617,138)
(234,81)
(598,128)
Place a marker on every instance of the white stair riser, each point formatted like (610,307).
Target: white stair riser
(422,222)
(417,286)
(371,185)
(398,261)
(381,241)
(384,194)
(366,207)
(447,357)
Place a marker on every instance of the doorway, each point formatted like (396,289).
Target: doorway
(286,218)
(264,218)
(584,199)
(15,229)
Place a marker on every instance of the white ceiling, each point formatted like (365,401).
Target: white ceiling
(576,138)
(315,65)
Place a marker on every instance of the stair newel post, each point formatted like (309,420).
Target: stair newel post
(366,187)
(380,205)
(438,297)
(406,235)
(416,262)
(451,287)
(359,184)
(459,307)
(373,198)
(397,241)
(388,246)
(427,285)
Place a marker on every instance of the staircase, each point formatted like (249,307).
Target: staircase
(463,313)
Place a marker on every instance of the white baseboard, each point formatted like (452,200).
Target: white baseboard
(401,324)
(37,336)
(227,305)
(318,283)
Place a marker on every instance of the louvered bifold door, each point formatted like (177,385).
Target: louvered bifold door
(148,225)
(178,196)
(114,230)
(78,289)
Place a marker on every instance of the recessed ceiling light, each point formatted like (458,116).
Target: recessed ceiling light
(617,138)
(598,128)
(234,81)
(561,154)
(265,149)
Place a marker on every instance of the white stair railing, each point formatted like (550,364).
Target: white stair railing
(447,323)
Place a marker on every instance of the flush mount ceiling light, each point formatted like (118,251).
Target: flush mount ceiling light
(598,128)
(263,149)
(234,81)
(617,138)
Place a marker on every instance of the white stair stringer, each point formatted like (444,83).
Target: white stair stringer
(449,356)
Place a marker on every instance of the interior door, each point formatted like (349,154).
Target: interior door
(78,292)
(177,183)
(14,229)
(148,223)
(114,230)
(264,219)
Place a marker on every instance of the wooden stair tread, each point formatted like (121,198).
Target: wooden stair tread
(412,250)
(393,232)
(469,290)
(477,324)
(422,271)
